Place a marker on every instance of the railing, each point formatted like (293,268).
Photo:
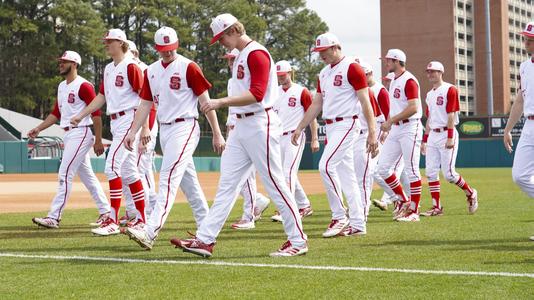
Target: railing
(45,147)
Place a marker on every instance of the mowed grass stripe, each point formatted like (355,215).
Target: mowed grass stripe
(262,265)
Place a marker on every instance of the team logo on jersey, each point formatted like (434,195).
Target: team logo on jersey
(439,101)
(166,39)
(240,72)
(396,93)
(71,98)
(119,80)
(175,83)
(292,102)
(338,80)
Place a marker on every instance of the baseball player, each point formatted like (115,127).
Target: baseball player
(342,93)
(404,131)
(119,90)
(440,142)
(254,203)
(255,141)
(74,93)
(294,100)
(364,164)
(523,167)
(170,80)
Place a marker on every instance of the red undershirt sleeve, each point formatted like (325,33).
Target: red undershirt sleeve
(55,111)
(305,99)
(318,85)
(356,77)
(135,77)
(146,93)
(87,94)
(196,80)
(259,64)
(453,104)
(101,87)
(383,102)
(411,89)
(374,103)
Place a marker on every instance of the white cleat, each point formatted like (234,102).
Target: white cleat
(243,225)
(108,227)
(472,202)
(288,250)
(139,235)
(401,210)
(305,212)
(277,217)
(409,217)
(100,219)
(382,205)
(262,203)
(336,227)
(124,220)
(46,222)
(350,231)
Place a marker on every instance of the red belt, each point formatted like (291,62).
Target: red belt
(339,119)
(174,121)
(69,128)
(117,115)
(288,132)
(530,117)
(241,116)
(402,122)
(442,129)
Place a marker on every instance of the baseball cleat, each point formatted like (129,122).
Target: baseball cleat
(433,212)
(139,235)
(382,205)
(124,220)
(351,231)
(335,227)
(305,212)
(100,219)
(46,222)
(532,238)
(194,246)
(277,217)
(108,227)
(262,203)
(401,210)
(409,217)
(243,225)
(289,250)
(472,202)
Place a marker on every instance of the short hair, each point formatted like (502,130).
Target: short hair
(402,63)
(238,27)
(125,47)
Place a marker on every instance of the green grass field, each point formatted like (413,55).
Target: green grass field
(493,240)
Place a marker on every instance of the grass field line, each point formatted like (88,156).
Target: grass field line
(262,265)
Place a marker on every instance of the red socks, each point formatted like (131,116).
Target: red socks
(415,195)
(394,184)
(138,196)
(434,188)
(464,186)
(115,196)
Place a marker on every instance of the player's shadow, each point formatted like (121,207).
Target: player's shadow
(65,249)
(483,244)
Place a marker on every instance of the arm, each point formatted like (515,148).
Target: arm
(425,135)
(515,115)
(95,104)
(98,147)
(312,113)
(49,121)
(141,115)
(218,139)
(363,96)
(314,144)
(450,130)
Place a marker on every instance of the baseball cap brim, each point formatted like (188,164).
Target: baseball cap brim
(527,34)
(216,37)
(163,48)
(282,73)
(66,59)
(319,49)
(111,38)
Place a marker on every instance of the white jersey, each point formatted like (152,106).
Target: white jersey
(231,119)
(241,81)
(69,102)
(397,95)
(119,93)
(289,107)
(438,106)
(526,71)
(141,64)
(375,109)
(376,88)
(339,96)
(170,91)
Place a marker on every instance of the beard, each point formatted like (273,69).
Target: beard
(67,71)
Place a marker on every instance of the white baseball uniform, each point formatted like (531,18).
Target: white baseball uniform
(523,167)
(338,85)
(290,107)
(255,141)
(404,139)
(180,81)
(72,98)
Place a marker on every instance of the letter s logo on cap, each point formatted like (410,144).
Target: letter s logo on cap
(529,28)
(318,42)
(277,68)
(166,39)
(429,66)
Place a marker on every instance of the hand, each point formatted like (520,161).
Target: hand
(508,142)
(98,147)
(296,136)
(423,148)
(145,136)
(372,144)
(210,105)
(141,148)
(129,141)
(386,126)
(314,145)
(383,136)
(75,121)
(450,143)
(33,133)
(218,143)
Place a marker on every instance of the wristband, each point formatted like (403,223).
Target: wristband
(425,137)
(450,133)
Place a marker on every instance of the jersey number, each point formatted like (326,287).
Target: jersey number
(119,81)
(338,80)
(71,98)
(396,93)
(439,101)
(292,102)
(175,83)
(240,72)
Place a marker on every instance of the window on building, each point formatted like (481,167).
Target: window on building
(469,68)
(469,23)
(517,10)
(469,53)
(461,35)
(510,8)
(462,83)
(469,83)
(510,22)
(461,51)
(468,7)
(460,5)
(523,12)
(469,37)
(461,67)
(511,35)
(518,50)
(461,20)
(462,98)
(517,23)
